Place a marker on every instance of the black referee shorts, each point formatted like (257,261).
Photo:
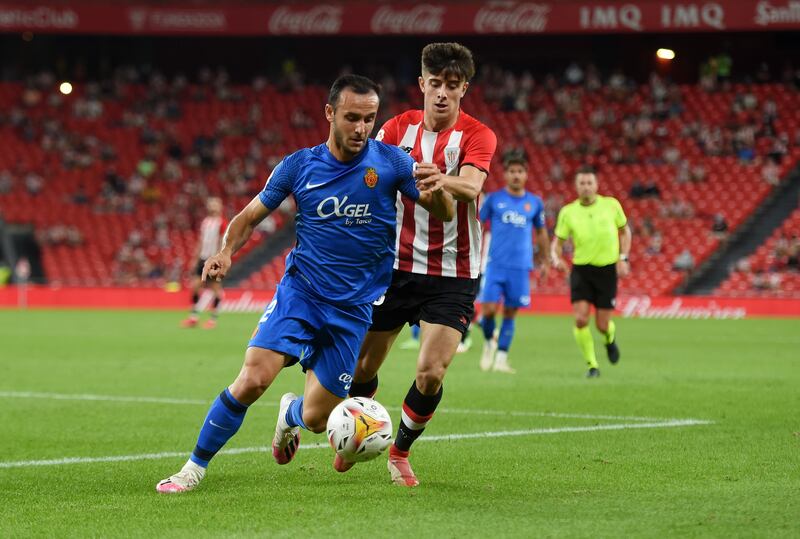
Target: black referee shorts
(449,301)
(198,268)
(595,284)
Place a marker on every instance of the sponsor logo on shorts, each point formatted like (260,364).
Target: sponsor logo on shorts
(347,380)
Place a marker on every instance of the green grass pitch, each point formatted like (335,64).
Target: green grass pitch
(640,470)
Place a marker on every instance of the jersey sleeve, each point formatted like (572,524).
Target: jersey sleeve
(538,217)
(280,183)
(388,133)
(480,149)
(619,215)
(403,165)
(562,230)
(485,213)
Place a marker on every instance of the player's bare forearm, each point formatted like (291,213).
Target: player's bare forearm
(439,203)
(625,240)
(241,227)
(556,254)
(543,246)
(467,185)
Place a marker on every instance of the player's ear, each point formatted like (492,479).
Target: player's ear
(421,84)
(329,112)
(464,89)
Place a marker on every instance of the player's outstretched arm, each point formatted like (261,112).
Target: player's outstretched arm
(432,195)
(239,231)
(465,187)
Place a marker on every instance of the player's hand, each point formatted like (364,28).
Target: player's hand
(216,267)
(429,177)
(544,271)
(623,268)
(559,263)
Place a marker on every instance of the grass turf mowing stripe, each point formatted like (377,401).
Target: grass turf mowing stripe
(167,400)
(436,438)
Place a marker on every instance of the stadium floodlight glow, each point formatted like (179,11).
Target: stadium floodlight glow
(665,54)
(65,88)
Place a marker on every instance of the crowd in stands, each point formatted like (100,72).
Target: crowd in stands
(147,150)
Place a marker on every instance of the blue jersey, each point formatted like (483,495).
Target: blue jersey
(512,219)
(346,217)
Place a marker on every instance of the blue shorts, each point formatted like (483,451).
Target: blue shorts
(511,285)
(323,337)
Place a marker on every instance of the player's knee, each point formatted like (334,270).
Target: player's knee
(315,422)
(581,321)
(430,379)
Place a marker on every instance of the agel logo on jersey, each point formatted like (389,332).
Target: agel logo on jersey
(355,213)
(371,177)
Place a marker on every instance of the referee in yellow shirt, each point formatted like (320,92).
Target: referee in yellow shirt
(602,240)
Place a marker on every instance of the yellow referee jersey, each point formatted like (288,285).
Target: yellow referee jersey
(594,230)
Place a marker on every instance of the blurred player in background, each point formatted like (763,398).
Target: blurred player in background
(602,240)
(513,215)
(212,228)
(345,191)
(438,264)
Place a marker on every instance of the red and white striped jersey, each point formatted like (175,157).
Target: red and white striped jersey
(425,244)
(211,231)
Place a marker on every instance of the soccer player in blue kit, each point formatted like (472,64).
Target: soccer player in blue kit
(346,190)
(514,214)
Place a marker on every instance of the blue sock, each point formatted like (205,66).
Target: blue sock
(506,334)
(294,414)
(223,420)
(415,332)
(487,323)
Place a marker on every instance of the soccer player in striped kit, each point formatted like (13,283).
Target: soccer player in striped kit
(208,243)
(437,265)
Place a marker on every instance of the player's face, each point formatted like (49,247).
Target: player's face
(352,120)
(214,206)
(586,185)
(516,175)
(443,95)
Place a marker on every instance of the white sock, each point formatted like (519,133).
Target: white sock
(501,357)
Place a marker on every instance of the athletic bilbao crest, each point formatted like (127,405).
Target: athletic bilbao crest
(371,177)
(451,154)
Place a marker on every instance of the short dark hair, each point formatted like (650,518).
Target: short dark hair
(586,169)
(515,159)
(448,59)
(356,83)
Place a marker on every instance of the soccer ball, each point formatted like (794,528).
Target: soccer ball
(359,429)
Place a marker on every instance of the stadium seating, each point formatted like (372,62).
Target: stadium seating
(768,272)
(731,188)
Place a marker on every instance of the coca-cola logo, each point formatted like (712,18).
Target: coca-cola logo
(511,17)
(767,13)
(421,19)
(38,18)
(324,19)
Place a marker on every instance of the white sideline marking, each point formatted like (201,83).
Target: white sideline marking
(436,438)
(87,397)
(167,400)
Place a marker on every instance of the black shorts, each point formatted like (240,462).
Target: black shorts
(412,297)
(198,269)
(595,284)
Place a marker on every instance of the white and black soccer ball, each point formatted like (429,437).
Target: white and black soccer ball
(359,429)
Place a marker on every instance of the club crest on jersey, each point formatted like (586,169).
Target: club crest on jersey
(371,177)
(451,154)
(527,206)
